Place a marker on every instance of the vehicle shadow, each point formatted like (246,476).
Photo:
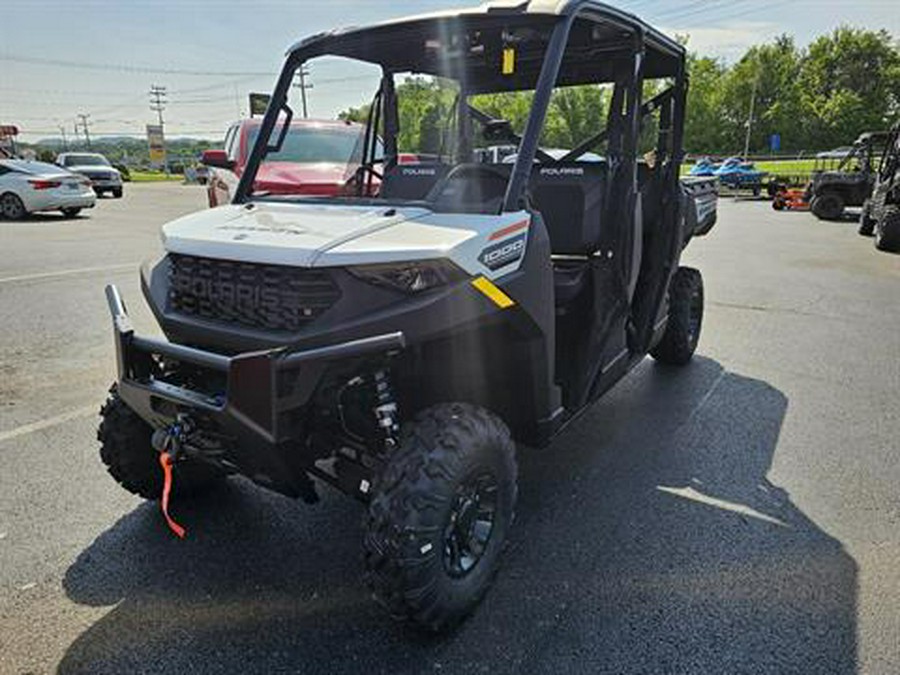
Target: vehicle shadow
(648,540)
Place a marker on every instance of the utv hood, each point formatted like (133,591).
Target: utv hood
(278,234)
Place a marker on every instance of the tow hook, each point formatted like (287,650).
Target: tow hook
(170,443)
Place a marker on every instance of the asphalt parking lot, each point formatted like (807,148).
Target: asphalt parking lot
(740,515)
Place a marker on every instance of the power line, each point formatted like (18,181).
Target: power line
(39,61)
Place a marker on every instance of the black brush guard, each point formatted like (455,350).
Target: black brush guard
(263,397)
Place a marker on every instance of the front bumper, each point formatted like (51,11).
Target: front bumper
(258,404)
(106,184)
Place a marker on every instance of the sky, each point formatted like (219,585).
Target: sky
(210,54)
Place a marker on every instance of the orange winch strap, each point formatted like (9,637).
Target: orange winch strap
(165,461)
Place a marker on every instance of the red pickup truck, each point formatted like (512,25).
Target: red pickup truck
(317,158)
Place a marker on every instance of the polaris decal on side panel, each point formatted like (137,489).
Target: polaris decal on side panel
(417,171)
(503,253)
(563,171)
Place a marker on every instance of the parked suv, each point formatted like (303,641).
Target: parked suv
(104,176)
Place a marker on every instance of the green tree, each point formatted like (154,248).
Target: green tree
(704,130)
(850,83)
(766,76)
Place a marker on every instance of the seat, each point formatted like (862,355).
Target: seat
(412,181)
(569,197)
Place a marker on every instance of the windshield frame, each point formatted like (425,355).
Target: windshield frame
(636,51)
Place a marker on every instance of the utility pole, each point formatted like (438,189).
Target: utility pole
(750,118)
(302,84)
(62,130)
(84,126)
(158,101)
(157,105)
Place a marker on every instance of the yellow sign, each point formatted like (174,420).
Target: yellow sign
(157,143)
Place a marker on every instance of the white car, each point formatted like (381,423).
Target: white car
(27,187)
(104,177)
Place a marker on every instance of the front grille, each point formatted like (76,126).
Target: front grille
(269,297)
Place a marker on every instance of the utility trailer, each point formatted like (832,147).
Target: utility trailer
(397,346)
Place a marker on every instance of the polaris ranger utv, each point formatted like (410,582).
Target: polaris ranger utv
(881,214)
(394,343)
(834,188)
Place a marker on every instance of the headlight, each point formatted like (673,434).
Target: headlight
(413,277)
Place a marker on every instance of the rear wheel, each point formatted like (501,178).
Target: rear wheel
(887,230)
(829,206)
(71,212)
(11,207)
(679,342)
(131,459)
(439,515)
(866,221)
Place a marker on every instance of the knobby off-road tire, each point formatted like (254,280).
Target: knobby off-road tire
(829,206)
(866,221)
(682,334)
(439,514)
(130,458)
(887,230)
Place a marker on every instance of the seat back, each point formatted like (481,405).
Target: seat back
(411,181)
(569,196)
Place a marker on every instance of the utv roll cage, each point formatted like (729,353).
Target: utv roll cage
(629,211)
(866,150)
(546,44)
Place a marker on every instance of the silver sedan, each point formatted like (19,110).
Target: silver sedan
(27,187)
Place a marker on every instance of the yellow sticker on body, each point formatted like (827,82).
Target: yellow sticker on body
(509,60)
(499,298)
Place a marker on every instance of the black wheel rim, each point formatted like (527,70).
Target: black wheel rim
(9,206)
(470,524)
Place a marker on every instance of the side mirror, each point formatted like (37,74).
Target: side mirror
(216,158)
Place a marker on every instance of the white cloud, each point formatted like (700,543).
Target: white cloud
(728,41)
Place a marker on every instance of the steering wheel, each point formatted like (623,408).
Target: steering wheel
(359,176)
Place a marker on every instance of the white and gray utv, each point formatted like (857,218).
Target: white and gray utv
(397,346)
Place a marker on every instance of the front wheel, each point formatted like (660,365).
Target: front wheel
(866,221)
(133,462)
(439,514)
(887,230)
(117,193)
(679,342)
(829,206)
(11,207)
